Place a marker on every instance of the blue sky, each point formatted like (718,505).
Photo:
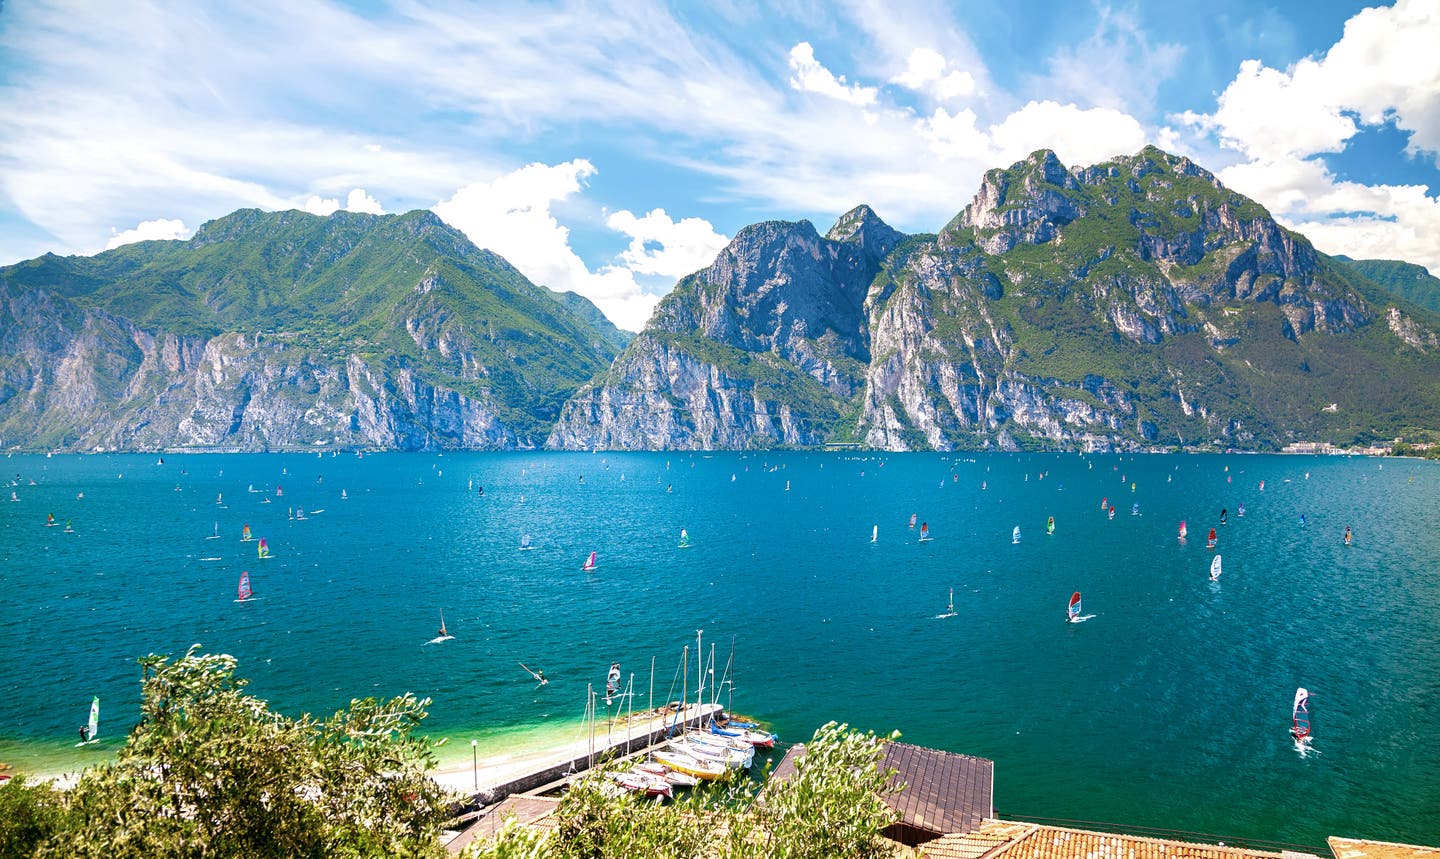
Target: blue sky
(612,150)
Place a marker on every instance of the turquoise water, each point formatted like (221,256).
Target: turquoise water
(1168,708)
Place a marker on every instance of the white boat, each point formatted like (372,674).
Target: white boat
(589,565)
(1215,569)
(874,533)
(642,782)
(1015,535)
(684,539)
(525,542)
(682,761)
(723,755)
(675,777)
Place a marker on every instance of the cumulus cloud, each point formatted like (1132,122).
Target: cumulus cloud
(1079,136)
(148,231)
(925,72)
(358,200)
(808,75)
(1383,69)
(661,246)
(955,135)
(511,215)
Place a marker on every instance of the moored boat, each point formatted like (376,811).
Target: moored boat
(681,761)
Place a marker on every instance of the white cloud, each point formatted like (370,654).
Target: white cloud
(925,71)
(807,75)
(322,206)
(511,215)
(148,231)
(1078,136)
(955,135)
(679,247)
(359,200)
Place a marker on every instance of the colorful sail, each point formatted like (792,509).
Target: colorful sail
(245,534)
(924,530)
(1050,525)
(912,520)
(1104,504)
(589,563)
(684,539)
(1215,569)
(49,519)
(1072,610)
(1183,529)
(262,550)
(1211,538)
(93,728)
(244,590)
(1300,715)
(1348,536)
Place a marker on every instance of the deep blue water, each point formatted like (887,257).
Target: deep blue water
(1169,708)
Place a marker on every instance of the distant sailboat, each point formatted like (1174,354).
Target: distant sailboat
(589,563)
(874,533)
(50,520)
(443,635)
(214,532)
(612,682)
(1348,536)
(684,539)
(912,520)
(1211,539)
(1104,504)
(90,734)
(219,498)
(525,542)
(262,550)
(1183,529)
(245,534)
(1015,535)
(1112,511)
(1300,719)
(1050,525)
(924,532)
(1072,611)
(1215,569)
(1135,509)
(244,592)
(1241,511)
(344,495)
(949,609)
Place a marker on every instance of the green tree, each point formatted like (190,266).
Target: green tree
(30,814)
(211,772)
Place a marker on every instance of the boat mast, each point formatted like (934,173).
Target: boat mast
(699,676)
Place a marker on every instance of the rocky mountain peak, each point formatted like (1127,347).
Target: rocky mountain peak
(1023,204)
(862,226)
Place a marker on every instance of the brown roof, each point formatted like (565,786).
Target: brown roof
(1359,848)
(945,792)
(972,845)
(527,810)
(1053,842)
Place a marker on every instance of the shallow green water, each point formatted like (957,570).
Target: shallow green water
(1168,708)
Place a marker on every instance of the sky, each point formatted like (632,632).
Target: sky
(613,149)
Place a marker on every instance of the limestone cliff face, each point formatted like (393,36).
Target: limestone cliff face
(283,331)
(755,350)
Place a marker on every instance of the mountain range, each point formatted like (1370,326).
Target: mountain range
(1134,304)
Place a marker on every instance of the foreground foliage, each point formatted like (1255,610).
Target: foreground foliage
(832,805)
(211,772)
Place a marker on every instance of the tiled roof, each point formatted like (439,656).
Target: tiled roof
(532,811)
(1359,848)
(975,844)
(1053,842)
(945,792)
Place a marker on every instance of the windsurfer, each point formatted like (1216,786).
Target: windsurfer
(84,733)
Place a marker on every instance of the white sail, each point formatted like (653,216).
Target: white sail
(1015,535)
(94,718)
(1215,569)
(874,533)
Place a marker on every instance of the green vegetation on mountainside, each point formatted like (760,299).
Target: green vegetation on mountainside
(1413,283)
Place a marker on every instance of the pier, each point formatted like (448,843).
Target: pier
(543,772)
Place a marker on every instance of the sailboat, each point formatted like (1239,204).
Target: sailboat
(612,682)
(924,532)
(50,520)
(874,533)
(244,592)
(912,520)
(1072,611)
(684,539)
(525,542)
(1111,512)
(444,635)
(589,563)
(1210,540)
(949,609)
(1300,719)
(262,550)
(92,728)
(1050,525)
(1135,509)
(1348,537)
(344,495)
(245,534)
(214,532)
(1104,504)
(1183,529)
(1015,535)
(1215,569)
